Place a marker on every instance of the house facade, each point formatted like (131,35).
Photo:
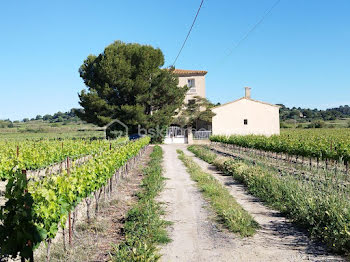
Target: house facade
(246,116)
(195,80)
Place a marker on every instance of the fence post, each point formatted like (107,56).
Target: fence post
(69,213)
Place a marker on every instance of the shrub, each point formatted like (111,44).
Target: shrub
(284,125)
(317,124)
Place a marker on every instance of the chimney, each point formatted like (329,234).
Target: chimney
(247,92)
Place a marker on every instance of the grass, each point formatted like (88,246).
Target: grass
(84,247)
(311,204)
(144,228)
(229,212)
(338,123)
(38,129)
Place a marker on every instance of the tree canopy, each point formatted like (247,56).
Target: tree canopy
(126,82)
(307,114)
(195,112)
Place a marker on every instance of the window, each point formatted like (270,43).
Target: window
(191,85)
(245,121)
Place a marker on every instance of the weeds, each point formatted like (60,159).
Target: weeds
(310,204)
(231,214)
(144,228)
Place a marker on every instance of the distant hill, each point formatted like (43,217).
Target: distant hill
(58,125)
(65,118)
(314,118)
(314,114)
(69,116)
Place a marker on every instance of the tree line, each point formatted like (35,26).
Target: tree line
(307,114)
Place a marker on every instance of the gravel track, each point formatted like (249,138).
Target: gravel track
(197,237)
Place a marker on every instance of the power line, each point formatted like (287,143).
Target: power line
(189,32)
(267,12)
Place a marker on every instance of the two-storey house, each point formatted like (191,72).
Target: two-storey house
(195,80)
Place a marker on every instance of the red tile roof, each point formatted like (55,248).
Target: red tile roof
(183,72)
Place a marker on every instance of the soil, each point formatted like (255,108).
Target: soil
(95,241)
(198,237)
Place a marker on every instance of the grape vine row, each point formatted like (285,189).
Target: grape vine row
(34,210)
(323,145)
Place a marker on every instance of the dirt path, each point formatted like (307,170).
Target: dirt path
(195,237)
(277,240)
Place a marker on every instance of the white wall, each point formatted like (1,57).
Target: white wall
(263,119)
(199,83)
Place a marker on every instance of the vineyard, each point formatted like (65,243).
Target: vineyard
(36,208)
(303,173)
(313,202)
(34,155)
(316,145)
(53,185)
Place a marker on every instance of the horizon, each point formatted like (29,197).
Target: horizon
(31,117)
(297,56)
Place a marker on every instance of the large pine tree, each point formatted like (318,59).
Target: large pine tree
(126,82)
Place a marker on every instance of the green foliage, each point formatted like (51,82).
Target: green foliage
(284,125)
(35,155)
(125,82)
(205,155)
(323,144)
(306,114)
(52,197)
(317,124)
(233,216)
(144,228)
(196,110)
(315,206)
(18,232)
(6,124)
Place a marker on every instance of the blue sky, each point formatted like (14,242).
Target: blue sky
(298,56)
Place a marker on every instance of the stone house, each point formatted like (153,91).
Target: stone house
(240,117)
